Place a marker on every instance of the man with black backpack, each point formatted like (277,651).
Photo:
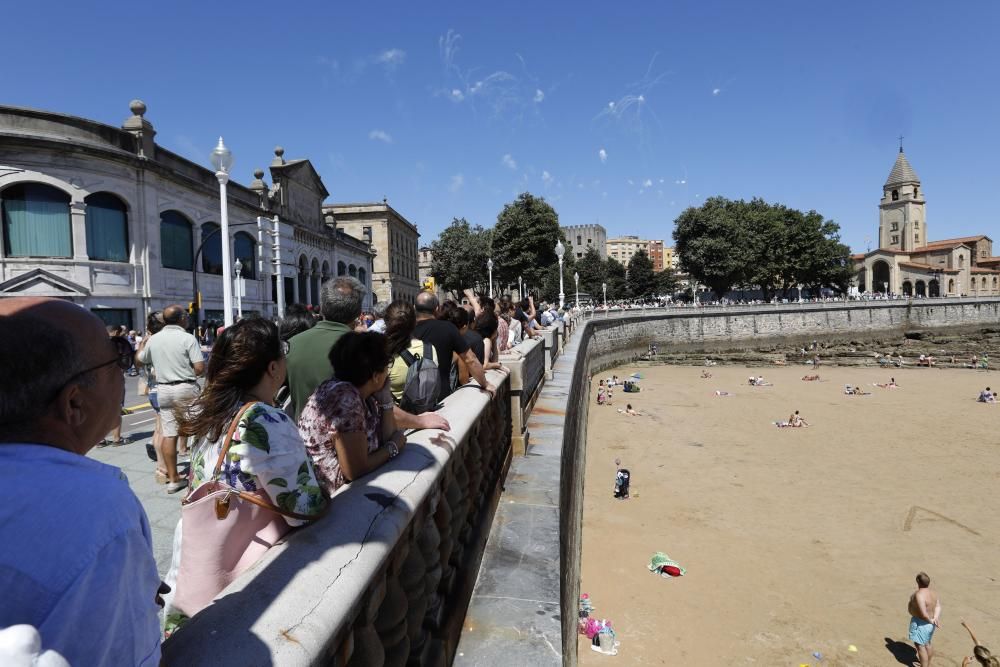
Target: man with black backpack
(447,341)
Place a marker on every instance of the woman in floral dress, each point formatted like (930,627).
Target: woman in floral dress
(347,424)
(247,366)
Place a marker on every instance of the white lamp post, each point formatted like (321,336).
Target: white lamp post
(604,288)
(885,289)
(560,251)
(489,267)
(222,160)
(238,269)
(520,288)
(576,278)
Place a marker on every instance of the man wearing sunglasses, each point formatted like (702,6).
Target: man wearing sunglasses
(77,561)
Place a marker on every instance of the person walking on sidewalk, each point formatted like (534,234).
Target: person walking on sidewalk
(176,356)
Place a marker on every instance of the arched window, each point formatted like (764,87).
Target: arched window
(211,249)
(363,276)
(994,282)
(107,227)
(36,221)
(984,282)
(303,279)
(895,195)
(951,286)
(352,271)
(341,268)
(245,250)
(325,272)
(314,282)
(961,261)
(176,235)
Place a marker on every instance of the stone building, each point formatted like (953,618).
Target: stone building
(394,240)
(581,237)
(105,217)
(622,248)
(656,255)
(907,263)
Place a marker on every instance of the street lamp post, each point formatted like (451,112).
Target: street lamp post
(604,288)
(560,251)
(520,288)
(885,289)
(222,160)
(489,267)
(238,270)
(576,278)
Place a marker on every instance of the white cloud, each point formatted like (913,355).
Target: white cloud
(508,161)
(716,91)
(457,181)
(539,95)
(631,182)
(648,183)
(380,135)
(680,182)
(456,95)
(391,59)
(546,178)
(603,154)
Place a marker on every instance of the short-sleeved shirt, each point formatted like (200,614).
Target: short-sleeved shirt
(397,374)
(336,407)
(309,361)
(77,558)
(503,331)
(477,344)
(446,339)
(173,352)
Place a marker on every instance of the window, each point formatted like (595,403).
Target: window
(341,268)
(211,249)
(176,237)
(352,271)
(895,195)
(916,224)
(245,250)
(961,261)
(916,191)
(916,238)
(894,227)
(107,228)
(589,241)
(895,238)
(113,317)
(363,276)
(579,240)
(36,221)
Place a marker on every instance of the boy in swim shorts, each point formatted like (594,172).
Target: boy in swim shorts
(925,610)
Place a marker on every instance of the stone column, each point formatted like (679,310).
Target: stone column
(78,226)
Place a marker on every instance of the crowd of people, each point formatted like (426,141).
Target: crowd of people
(278,418)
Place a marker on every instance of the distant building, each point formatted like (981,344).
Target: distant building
(581,237)
(394,238)
(622,248)
(424,269)
(671,260)
(907,263)
(656,255)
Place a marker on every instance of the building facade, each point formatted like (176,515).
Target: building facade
(393,238)
(656,254)
(907,263)
(622,248)
(581,237)
(106,218)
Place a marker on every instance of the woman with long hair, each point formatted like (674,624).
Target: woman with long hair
(266,456)
(347,423)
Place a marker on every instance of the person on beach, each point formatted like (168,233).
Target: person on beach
(719,392)
(795,420)
(985,396)
(629,411)
(925,612)
(980,653)
(891,384)
(810,378)
(705,375)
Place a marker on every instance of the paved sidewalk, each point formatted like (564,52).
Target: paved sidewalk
(162,509)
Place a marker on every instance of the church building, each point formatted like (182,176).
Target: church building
(907,263)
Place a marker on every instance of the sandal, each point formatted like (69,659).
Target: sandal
(117,443)
(161,477)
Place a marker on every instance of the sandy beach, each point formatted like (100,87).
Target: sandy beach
(795,540)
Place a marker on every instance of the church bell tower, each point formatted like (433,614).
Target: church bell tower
(902,224)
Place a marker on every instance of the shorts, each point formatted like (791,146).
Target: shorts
(170,396)
(921,632)
(154,400)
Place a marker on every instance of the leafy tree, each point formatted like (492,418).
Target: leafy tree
(666,282)
(460,256)
(524,242)
(713,245)
(641,278)
(614,277)
(592,270)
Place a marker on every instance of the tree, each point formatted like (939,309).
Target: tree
(460,255)
(592,270)
(524,242)
(713,244)
(666,282)
(641,279)
(614,277)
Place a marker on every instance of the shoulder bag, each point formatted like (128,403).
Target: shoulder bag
(223,532)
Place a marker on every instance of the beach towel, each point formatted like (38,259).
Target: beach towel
(663,565)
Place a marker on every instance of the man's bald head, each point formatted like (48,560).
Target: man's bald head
(427,303)
(43,343)
(174,315)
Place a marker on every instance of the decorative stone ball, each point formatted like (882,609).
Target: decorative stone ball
(258,173)
(279,151)
(137,107)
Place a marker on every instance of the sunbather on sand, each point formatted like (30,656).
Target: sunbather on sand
(629,411)
(810,378)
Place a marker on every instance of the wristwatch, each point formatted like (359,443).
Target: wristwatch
(389,405)
(393,449)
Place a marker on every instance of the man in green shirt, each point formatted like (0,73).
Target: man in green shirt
(309,351)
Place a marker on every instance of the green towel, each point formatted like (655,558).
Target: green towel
(661,559)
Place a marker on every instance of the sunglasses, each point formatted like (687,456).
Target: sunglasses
(123,358)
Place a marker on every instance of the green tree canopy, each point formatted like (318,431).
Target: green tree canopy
(641,279)
(713,244)
(460,256)
(524,242)
(592,270)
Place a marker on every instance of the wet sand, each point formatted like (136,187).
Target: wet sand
(795,540)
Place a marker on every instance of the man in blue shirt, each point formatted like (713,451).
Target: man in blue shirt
(77,560)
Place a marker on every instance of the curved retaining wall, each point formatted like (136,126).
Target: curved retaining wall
(425,563)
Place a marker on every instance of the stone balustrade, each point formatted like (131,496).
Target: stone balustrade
(527,373)
(385,577)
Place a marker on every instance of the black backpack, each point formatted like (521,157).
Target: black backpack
(420,391)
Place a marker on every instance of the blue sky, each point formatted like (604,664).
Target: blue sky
(621,114)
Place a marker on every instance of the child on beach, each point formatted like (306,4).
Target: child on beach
(795,420)
(629,411)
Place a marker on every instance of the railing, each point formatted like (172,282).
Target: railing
(527,373)
(385,577)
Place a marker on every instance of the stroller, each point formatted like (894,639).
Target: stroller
(622,479)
